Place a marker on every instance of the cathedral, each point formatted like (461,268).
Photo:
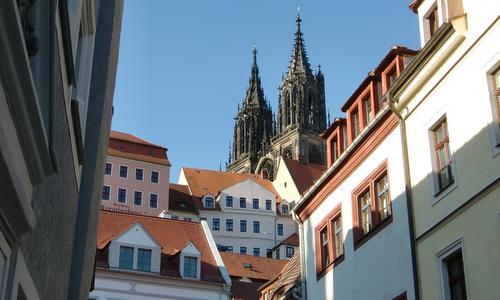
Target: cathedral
(261,137)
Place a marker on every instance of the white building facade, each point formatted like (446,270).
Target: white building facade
(241,210)
(449,105)
(354,221)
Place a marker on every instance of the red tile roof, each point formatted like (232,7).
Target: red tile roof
(128,146)
(245,290)
(292,240)
(303,175)
(288,277)
(127,137)
(180,199)
(257,268)
(375,74)
(172,235)
(202,182)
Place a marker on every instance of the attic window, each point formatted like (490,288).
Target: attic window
(247,265)
(209,202)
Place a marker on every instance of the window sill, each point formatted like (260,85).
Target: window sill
(360,242)
(329,267)
(443,193)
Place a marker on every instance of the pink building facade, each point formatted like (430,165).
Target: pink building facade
(137,175)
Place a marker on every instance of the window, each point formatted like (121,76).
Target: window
(338,238)
(139,174)
(325,258)
(229,248)
(372,202)
(243,225)
(209,202)
(123,171)
(335,149)
(456,276)
(383,202)
(269,204)
(155,177)
(256,251)
(496,92)
(442,155)
(390,78)
(106,191)
(280,229)
(269,253)
(144,260)
(153,201)
(243,202)
(367,106)
(108,169)
(365,212)
(229,201)
(355,124)
(432,21)
(329,241)
(278,253)
(256,227)
(126,257)
(190,267)
(137,198)
(243,250)
(122,195)
(289,251)
(284,209)
(229,225)
(255,203)
(215,224)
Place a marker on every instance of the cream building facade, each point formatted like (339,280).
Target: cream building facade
(448,104)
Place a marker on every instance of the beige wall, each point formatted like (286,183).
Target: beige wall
(131,184)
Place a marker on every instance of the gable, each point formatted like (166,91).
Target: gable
(190,249)
(137,235)
(249,187)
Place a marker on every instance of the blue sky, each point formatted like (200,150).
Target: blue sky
(184,65)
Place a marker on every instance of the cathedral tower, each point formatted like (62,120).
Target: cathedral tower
(301,111)
(253,128)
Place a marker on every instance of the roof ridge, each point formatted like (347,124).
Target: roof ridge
(154,218)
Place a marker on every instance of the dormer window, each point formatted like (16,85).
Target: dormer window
(144,260)
(190,262)
(430,22)
(190,266)
(367,106)
(135,249)
(355,126)
(335,149)
(126,258)
(284,209)
(209,202)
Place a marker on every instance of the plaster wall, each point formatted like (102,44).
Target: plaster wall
(111,285)
(131,184)
(358,276)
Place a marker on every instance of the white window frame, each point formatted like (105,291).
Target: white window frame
(198,264)
(120,173)
(110,192)
(157,200)
(205,201)
(494,129)
(288,207)
(135,174)
(111,173)
(133,198)
(441,257)
(151,177)
(218,228)
(438,194)
(428,7)
(118,195)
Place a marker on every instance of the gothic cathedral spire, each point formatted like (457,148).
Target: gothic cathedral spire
(253,128)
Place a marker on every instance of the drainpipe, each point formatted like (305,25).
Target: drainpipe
(408,190)
(303,271)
